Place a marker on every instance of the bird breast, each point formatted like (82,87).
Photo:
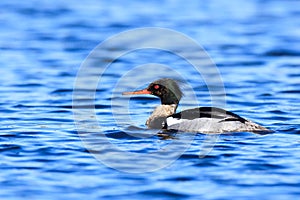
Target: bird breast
(160,113)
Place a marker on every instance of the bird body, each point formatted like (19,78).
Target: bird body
(201,120)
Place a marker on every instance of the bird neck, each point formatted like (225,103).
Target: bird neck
(169,99)
(165,110)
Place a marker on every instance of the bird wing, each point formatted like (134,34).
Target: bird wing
(207,112)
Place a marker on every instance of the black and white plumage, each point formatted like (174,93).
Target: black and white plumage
(201,120)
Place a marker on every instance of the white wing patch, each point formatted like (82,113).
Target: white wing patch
(172,121)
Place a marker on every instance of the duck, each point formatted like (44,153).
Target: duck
(197,120)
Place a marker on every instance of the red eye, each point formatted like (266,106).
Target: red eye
(156,87)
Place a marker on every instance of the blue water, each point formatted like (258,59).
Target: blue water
(255,45)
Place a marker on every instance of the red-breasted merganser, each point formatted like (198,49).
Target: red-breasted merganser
(201,120)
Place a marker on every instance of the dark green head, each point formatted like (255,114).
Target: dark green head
(166,89)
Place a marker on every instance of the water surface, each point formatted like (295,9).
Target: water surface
(255,45)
